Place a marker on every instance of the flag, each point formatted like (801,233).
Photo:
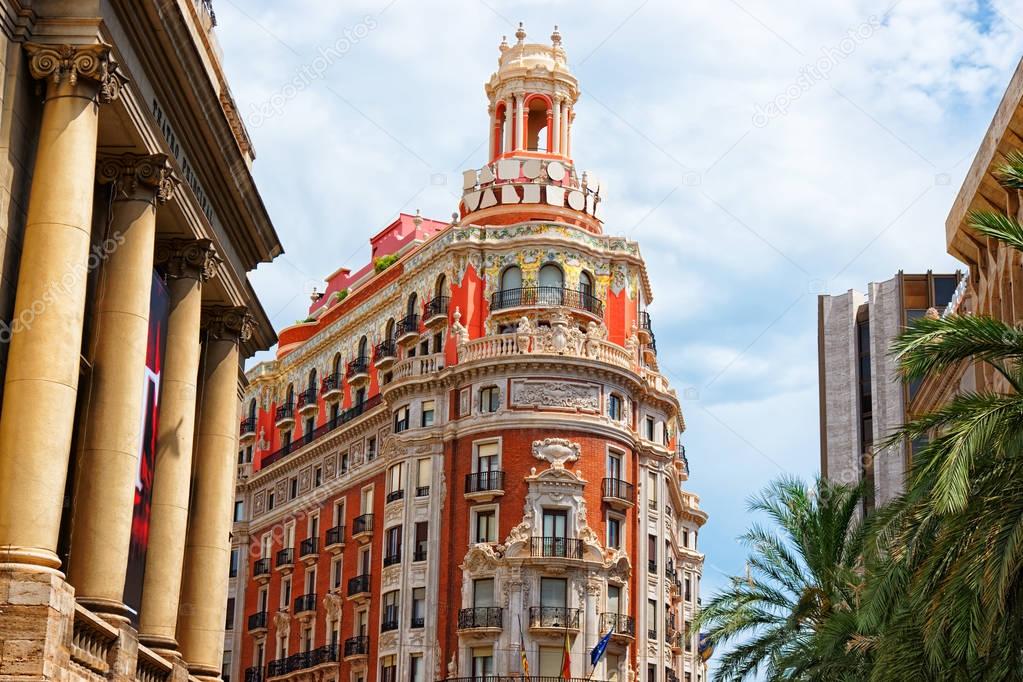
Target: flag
(705,647)
(566,659)
(522,651)
(598,650)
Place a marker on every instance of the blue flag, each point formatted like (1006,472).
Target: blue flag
(598,650)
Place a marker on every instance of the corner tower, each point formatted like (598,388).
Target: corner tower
(530,174)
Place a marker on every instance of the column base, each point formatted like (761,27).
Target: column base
(204,673)
(29,560)
(110,610)
(166,647)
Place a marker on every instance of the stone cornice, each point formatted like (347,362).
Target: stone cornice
(59,63)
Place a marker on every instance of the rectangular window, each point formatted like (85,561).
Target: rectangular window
(553,592)
(438,342)
(651,619)
(371,448)
(335,573)
(395,480)
(614,407)
(652,490)
(234,562)
(392,546)
(422,540)
(389,619)
(401,419)
(239,510)
(483,593)
(230,614)
(651,549)
(614,597)
(486,526)
(550,661)
(424,473)
(345,463)
(490,399)
(285,593)
(614,466)
(648,428)
(426,418)
(482,662)
(293,488)
(555,523)
(487,457)
(388,669)
(317,477)
(418,607)
(415,668)
(270,500)
(614,532)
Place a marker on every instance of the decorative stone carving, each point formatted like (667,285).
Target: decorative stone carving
(332,603)
(481,558)
(583,397)
(191,259)
(458,330)
(523,335)
(557,451)
(282,623)
(57,63)
(228,323)
(594,335)
(144,177)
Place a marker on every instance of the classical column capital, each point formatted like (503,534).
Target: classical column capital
(227,323)
(57,63)
(181,258)
(141,177)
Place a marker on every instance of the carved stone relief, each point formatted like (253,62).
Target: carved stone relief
(583,397)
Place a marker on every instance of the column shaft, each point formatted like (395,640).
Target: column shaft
(41,383)
(556,136)
(509,118)
(201,611)
(188,265)
(520,134)
(108,470)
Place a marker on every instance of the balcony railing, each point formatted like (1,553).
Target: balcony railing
(618,489)
(253,674)
(419,555)
(357,366)
(307,399)
(484,481)
(362,524)
(384,349)
(261,567)
(481,617)
(436,307)
(343,417)
(285,412)
(546,297)
(359,584)
(285,557)
(306,602)
(408,325)
(553,617)
(395,495)
(390,619)
(565,548)
(392,559)
(357,646)
(302,661)
(257,620)
(309,547)
(519,678)
(619,623)
(248,425)
(644,321)
(681,454)
(331,383)
(336,535)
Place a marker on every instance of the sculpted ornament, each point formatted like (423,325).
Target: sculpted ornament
(332,603)
(576,396)
(557,451)
(147,177)
(459,331)
(57,63)
(282,623)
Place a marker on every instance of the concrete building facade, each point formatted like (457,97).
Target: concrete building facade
(129,221)
(465,464)
(862,398)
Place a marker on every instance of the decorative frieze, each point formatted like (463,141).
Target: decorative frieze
(550,394)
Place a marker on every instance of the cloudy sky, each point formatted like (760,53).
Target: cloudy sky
(761,152)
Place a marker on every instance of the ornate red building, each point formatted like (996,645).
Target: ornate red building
(466,459)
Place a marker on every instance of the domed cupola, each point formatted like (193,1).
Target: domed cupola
(530,174)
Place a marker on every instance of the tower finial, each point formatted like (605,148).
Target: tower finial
(504,44)
(556,37)
(520,33)
(417,220)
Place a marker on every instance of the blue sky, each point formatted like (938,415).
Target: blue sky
(760,152)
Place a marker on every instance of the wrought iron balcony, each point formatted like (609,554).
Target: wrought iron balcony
(392,559)
(362,526)
(385,352)
(389,621)
(619,624)
(309,547)
(360,584)
(261,567)
(285,558)
(419,555)
(253,674)
(481,617)
(437,308)
(484,484)
(257,621)
(408,326)
(307,400)
(306,602)
(247,428)
(331,387)
(547,297)
(359,367)
(356,646)
(558,547)
(553,617)
(394,496)
(344,417)
(617,491)
(335,537)
(285,414)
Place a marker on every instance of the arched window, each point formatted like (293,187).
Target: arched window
(511,278)
(441,288)
(411,308)
(552,276)
(585,283)
(363,349)
(389,330)
(538,114)
(252,409)
(335,367)
(312,379)
(289,396)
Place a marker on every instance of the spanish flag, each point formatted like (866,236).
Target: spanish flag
(522,651)
(566,659)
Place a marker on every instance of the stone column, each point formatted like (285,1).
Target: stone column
(557,126)
(520,134)
(495,132)
(509,118)
(45,334)
(187,264)
(108,467)
(202,609)
(567,131)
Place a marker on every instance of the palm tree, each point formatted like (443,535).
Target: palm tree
(798,578)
